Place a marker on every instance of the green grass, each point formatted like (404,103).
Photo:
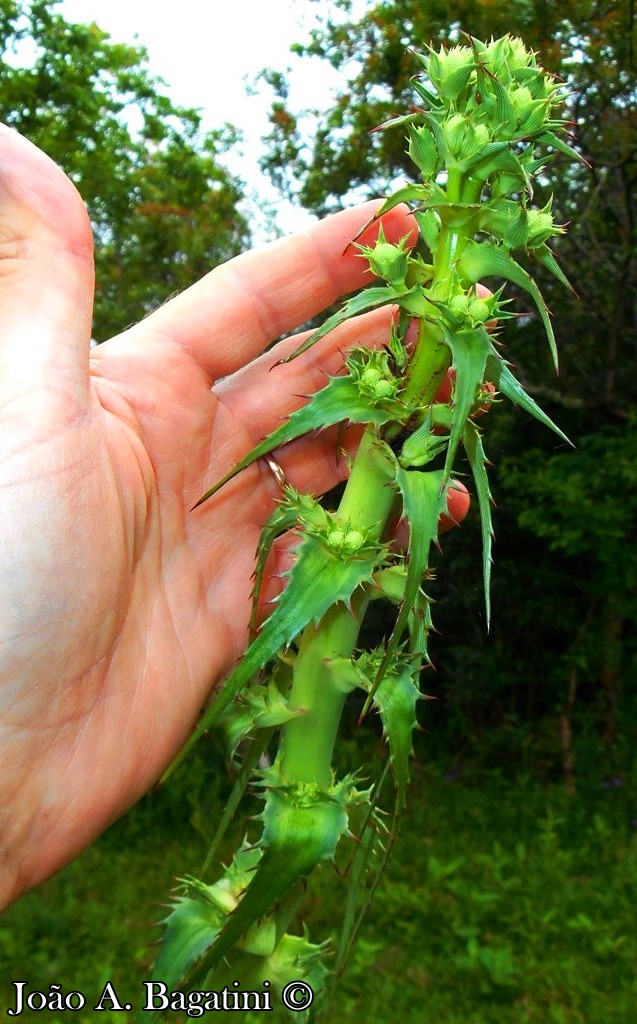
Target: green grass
(506,902)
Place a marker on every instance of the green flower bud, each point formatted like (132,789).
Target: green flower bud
(375,380)
(370,377)
(458,306)
(385,388)
(450,70)
(479,310)
(353,541)
(541,227)
(521,99)
(336,539)
(386,260)
(508,55)
(343,541)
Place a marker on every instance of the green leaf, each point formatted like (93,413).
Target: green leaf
(517,232)
(302,827)
(486,159)
(406,194)
(256,707)
(499,373)
(423,151)
(197,917)
(429,226)
(504,110)
(428,97)
(340,401)
(423,446)
(481,259)
(439,136)
(545,256)
(478,462)
(551,139)
(470,349)
(424,501)
(317,580)
(191,927)
(284,517)
(395,698)
(370,298)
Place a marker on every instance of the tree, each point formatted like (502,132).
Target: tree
(164,209)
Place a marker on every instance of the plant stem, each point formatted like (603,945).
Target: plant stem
(308,741)
(428,366)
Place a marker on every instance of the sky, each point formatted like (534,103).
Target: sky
(205,50)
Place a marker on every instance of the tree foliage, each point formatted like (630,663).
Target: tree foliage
(162,205)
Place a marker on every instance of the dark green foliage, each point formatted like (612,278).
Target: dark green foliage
(163,208)
(506,903)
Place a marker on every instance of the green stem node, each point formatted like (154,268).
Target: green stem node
(308,741)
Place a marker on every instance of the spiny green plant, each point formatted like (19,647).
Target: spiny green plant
(488,122)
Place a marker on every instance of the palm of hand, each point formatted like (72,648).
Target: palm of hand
(120,608)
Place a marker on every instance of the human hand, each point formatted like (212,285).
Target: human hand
(120,610)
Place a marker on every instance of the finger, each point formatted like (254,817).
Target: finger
(46,274)
(458,503)
(264,393)
(237,310)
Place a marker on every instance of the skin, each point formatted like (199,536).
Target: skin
(120,609)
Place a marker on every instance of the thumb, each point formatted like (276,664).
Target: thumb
(46,276)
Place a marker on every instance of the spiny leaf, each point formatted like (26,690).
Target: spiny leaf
(551,139)
(258,707)
(197,918)
(478,462)
(396,696)
(545,256)
(429,227)
(423,446)
(498,371)
(339,401)
(284,517)
(481,259)
(424,501)
(390,583)
(191,927)
(248,765)
(406,194)
(302,827)
(394,122)
(370,298)
(364,872)
(420,625)
(317,580)
(469,349)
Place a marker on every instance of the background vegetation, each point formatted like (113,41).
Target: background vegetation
(510,897)
(163,207)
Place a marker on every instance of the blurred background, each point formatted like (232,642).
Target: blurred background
(192,136)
